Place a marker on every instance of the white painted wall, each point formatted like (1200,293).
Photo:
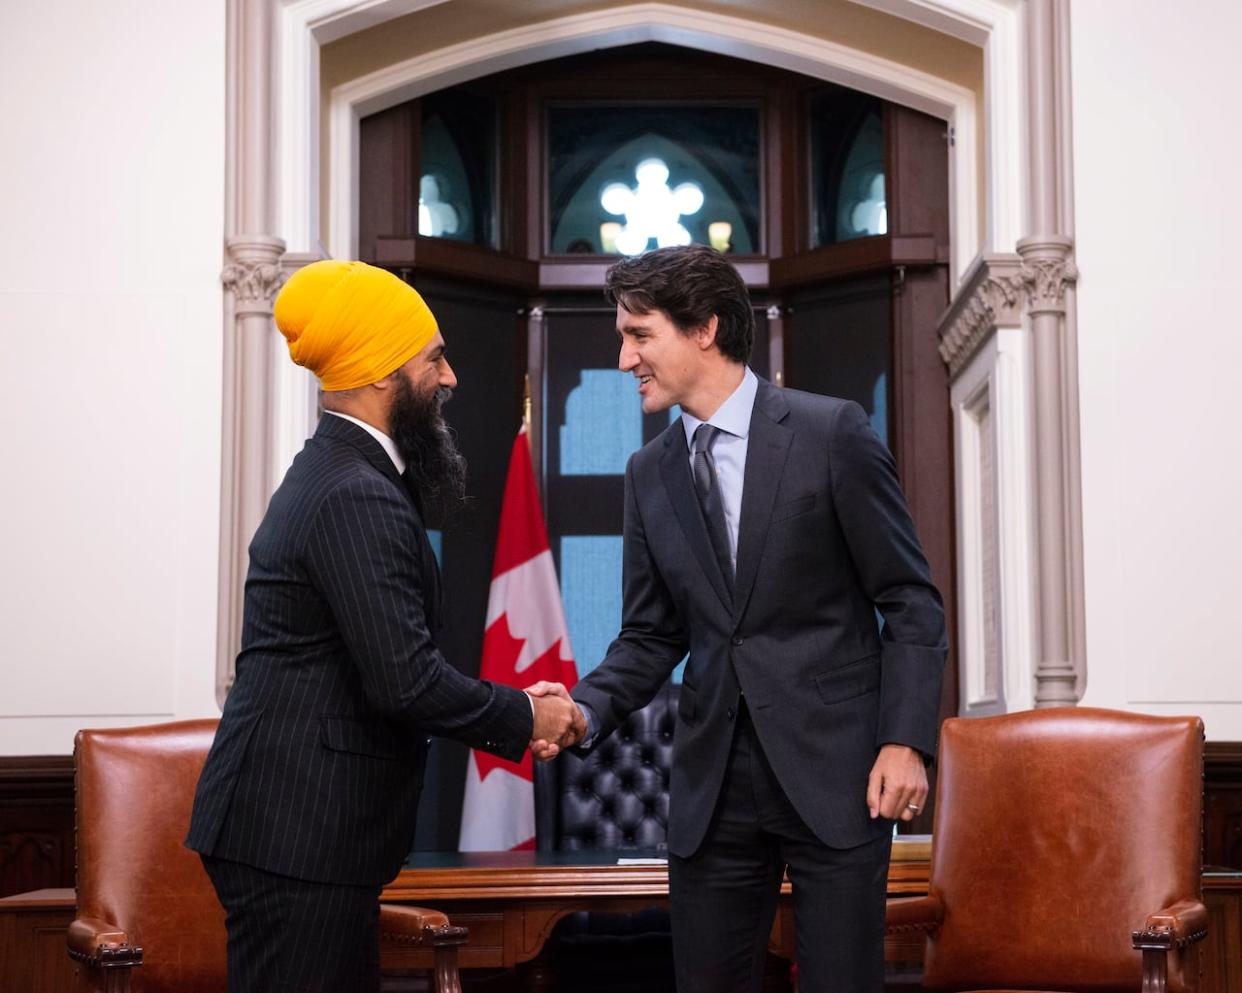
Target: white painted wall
(111,218)
(1157,152)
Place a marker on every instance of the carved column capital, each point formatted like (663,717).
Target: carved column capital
(1047,270)
(253,273)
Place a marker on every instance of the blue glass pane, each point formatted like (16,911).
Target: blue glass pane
(603,425)
(591,591)
(879,407)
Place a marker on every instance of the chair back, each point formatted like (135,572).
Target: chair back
(1057,832)
(135,788)
(617,797)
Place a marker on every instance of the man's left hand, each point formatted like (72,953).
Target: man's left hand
(897,787)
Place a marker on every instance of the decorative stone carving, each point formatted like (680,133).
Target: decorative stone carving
(1047,270)
(991,297)
(253,273)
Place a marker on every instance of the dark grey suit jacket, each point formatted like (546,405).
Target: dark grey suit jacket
(825,540)
(316,768)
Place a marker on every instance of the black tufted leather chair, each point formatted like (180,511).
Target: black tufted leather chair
(615,799)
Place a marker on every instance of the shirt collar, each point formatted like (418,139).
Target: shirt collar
(733,416)
(388,444)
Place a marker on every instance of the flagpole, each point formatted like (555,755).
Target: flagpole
(526,406)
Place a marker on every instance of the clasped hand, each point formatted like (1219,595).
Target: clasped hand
(559,722)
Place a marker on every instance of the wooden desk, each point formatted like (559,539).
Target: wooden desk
(511,901)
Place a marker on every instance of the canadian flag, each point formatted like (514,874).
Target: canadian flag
(525,641)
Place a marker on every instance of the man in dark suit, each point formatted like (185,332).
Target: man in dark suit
(306,805)
(764,529)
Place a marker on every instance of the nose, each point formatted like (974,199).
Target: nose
(628,358)
(448,378)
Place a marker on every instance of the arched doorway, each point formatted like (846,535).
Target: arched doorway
(487,196)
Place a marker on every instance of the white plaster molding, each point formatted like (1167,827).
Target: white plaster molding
(723,34)
(996,26)
(997,371)
(304,26)
(980,662)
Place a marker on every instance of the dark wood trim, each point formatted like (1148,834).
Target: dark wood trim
(388,157)
(30,777)
(586,272)
(456,258)
(858,257)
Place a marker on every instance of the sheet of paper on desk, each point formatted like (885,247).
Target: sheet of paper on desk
(642,861)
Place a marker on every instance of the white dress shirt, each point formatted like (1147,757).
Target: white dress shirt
(389,445)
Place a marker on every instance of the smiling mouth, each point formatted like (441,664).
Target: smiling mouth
(644,380)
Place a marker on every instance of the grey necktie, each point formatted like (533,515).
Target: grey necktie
(707,485)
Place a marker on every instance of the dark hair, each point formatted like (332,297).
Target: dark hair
(689,283)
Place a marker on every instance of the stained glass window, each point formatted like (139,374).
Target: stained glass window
(622,179)
(848,183)
(457,176)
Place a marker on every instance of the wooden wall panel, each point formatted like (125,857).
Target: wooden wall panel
(1222,817)
(36,822)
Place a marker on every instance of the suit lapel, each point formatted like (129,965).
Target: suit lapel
(340,429)
(766,452)
(675,470)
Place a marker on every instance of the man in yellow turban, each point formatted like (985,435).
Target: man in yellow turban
(306,805)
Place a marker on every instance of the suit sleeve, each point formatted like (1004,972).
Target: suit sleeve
(889,560)
(362,554)
(652,639)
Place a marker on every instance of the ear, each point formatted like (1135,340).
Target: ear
(706,335)
(387,383)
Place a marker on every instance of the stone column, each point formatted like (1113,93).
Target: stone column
(1047,271)
(251,276)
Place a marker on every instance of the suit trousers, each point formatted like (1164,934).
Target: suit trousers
(723,898)
(294,936)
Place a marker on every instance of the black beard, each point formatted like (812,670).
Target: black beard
(429,447)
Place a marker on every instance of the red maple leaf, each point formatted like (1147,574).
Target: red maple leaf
(500,655)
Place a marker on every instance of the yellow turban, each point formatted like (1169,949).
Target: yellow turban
(350,323)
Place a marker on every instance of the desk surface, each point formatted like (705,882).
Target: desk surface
(429,877)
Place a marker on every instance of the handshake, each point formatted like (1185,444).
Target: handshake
(559,722)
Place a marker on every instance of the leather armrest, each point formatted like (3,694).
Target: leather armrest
(1175,926)
(920,913)
(418,925)
(99,942)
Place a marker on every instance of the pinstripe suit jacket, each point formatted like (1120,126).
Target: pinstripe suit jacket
(317,765)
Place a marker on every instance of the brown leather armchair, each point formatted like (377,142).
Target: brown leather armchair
(1064,840)
(145,900)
